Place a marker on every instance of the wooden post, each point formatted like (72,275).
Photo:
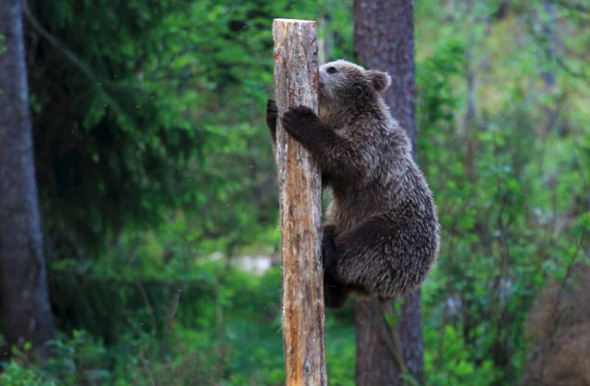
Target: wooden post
(296,83)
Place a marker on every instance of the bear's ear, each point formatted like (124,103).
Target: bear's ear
(379,79)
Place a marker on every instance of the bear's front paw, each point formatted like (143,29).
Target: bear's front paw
(271,118)
(271,112)
(298,120)
(335,293)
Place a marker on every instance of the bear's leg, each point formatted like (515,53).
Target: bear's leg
(335,293)
(379,257)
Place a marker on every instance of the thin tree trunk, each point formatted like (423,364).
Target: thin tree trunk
(26,314)
(470,122)
(550,37)
(548,31)
(296,83)
(384,40)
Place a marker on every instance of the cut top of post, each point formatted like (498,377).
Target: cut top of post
(301,21)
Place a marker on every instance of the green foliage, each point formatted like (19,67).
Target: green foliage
(451,363)
(233,334)
(501,237)
(154,167)
(156,112)
(16,374)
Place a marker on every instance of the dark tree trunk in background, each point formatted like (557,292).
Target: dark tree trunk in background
(470,122)
(550,38)
(26,314)
(384,40)
(379,359)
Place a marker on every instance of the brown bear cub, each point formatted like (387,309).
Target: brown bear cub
(382,235)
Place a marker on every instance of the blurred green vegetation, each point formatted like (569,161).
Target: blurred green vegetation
(156,176)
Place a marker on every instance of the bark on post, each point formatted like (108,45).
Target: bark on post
(296,83)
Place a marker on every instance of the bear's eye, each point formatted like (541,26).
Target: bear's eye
(331,70)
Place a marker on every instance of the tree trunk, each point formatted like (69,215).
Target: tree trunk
(376,341)
(26,314)
(470,123)
(384,40)
(296,83)
(549,34)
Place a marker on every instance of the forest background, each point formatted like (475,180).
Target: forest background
(159,206)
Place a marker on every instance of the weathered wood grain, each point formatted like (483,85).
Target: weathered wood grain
(296,83)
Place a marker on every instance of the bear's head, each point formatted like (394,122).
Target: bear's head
(342,82)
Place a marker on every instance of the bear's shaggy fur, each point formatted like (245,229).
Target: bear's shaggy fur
(382,235)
